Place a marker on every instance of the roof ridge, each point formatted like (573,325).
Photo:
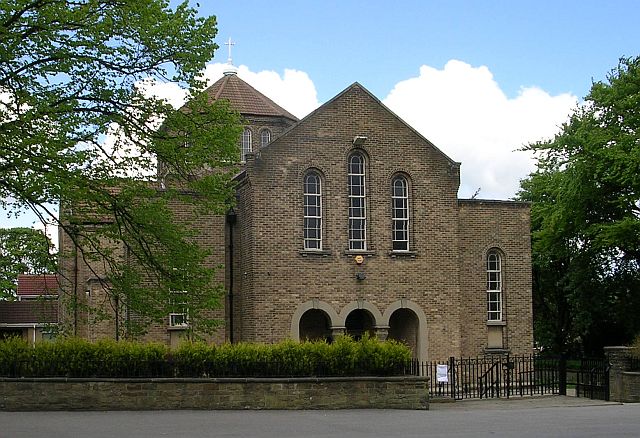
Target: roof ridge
(225,79)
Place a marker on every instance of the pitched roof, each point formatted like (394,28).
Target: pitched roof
(28,312)
(358,86)
(245,99)
(41,284)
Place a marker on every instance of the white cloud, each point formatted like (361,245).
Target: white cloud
(49,229)
(169,91)
(463,111)
(294,91)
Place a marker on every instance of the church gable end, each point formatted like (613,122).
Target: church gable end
(351,211)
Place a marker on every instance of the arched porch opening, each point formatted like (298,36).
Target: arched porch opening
(404,326)
(359,322)
(314,326)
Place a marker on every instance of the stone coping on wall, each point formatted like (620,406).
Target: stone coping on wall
(60,393)
(216,379)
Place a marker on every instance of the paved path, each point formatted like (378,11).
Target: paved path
(539,417)
(514,403)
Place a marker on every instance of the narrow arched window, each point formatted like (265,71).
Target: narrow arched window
(246,144)
(494,286)
(265,137)
(312,227)
(357,203)
(400,213)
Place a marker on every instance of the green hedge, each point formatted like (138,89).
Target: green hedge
(79,358)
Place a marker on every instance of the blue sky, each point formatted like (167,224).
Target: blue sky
(480,79)
(556,45)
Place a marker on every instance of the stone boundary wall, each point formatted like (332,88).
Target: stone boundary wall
(624,385)
(627,387)
(57,394)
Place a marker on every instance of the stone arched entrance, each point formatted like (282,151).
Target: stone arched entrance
(323,320)
(314,325)
(359,322)
(408,323)
(404,327)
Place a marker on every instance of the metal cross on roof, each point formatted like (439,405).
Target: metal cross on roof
(229,43)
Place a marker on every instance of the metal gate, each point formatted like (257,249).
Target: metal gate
(508,376)
(591,378)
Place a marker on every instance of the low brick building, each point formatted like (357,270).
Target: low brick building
(348,221)
(33,316)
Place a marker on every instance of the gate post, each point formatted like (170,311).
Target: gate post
(562,374)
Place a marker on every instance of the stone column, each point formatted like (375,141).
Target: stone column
(337,331)
(382,332)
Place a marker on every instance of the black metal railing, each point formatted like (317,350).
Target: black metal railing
(491,376)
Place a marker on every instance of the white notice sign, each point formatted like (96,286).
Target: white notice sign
(442,374)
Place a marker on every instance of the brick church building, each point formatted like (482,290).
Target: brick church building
(348,221)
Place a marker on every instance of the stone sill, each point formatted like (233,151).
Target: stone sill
(496,351)
(353,253)
(315,253)
(403,254)
(498,323)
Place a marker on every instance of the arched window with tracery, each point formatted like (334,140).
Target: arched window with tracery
(494,286)
(357,202)
(246,144)
(312,226)
(400,213)
(265,137)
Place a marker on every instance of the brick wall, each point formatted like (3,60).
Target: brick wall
(152,394)
(277,276)
(440,282)
(624,385)
(504,226)
(95,316)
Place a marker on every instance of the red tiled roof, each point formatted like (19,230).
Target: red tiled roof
(245,99)
(42,284)
(28,312)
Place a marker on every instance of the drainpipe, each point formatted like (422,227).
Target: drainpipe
(117,318)
(75,290)
(232,218)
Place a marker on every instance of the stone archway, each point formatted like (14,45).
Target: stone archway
(404,327)
(314,325)
(297,322)
(358,322)
(411,320)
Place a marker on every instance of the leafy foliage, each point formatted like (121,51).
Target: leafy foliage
(635,345)
(77,127)
(586,220)
(77,358)
(23,251)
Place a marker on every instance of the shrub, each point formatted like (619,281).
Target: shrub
(635,347)
(79,358)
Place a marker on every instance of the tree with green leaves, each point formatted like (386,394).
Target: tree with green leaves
(23,251)
(585,213)
(79,127)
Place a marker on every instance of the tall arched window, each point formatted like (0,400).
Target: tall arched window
(246,144)
(357,203)
(265,137)
(400,213)
(494,286)
(312,227)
